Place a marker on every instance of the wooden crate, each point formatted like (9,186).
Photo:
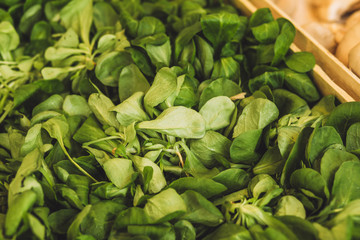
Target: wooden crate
(329,75)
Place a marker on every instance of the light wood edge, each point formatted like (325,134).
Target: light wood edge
(324,83)
(335,69)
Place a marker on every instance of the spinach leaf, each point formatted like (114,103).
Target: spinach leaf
(346,182)
(344,116)
(228,68)
(244,147)
(266,32)
(300,61)
(177,121)
(164,206)
(353,139)
(131,110)
(217,112)
(331,161)
(283,41)
(311,180)
(256,115)
(218,28)
(205,186)
(301,84)
(200,210)
(272,79)
(109,67)
(157,181)
(131,80)
(210,148)
(320,139)
(219,87)
(78,15)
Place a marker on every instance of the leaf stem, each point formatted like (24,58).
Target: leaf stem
(102,139)
(7,110)
(76,164)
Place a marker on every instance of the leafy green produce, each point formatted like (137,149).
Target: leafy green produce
(166,119)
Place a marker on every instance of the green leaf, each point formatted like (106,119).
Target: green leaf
(74,229)
(331,161)
(165,206)
(301,84)
(69,195)
(219,87)
(163,86)
(76,105)
(266,32)
(286,139)
(29,18)
(91,132)
(200,210)
(187,95)
(185,230)
(130,110)
(30,163)
(101,106)
(18,209)
(54,102)
(260,16)
(272,79)
(300,227)
(218,28)
(229,231)
(300,61)
(353,139)
(9,40)
(157,181)
(205,54)
(104,15)
(60,220)
(78,15)
(346,183)
(80,184)
(244,147)
(33,140)
(159,231)
(23,93)
(119,171)
(184,38)
(309,179)
(226,67)
(132,216)
(58,128)
(270,163)
(209,148)
(131,80)
(289,205)
(177,121)
(217,112)
(99,220)
(320,139)
(194,166)
(256,115)
(206,187)
(283,41)
(343,116)
(297,154)
(110,65)
(288,102)
(234,179)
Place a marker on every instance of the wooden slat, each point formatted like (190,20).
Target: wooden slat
(335,69)
(327,85)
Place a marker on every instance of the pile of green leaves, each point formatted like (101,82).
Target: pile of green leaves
(130,119)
